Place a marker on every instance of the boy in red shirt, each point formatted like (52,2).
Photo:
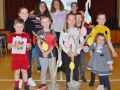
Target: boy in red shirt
(19,43)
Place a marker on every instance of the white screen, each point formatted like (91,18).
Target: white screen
(67,3)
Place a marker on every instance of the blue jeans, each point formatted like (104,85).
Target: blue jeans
(36,53)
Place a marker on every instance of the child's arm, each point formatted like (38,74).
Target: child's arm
(62,44)
(114,54)
(109,59)
(9,45)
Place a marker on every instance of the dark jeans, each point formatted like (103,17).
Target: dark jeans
(104,80)
(66,62)
(92,77)
(82,63)
(57,36)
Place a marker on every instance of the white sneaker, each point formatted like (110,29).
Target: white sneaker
(31,82)
(100,87)
(20,83)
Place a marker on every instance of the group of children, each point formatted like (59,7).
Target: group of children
(73,46)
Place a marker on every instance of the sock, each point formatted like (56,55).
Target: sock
(25,84)
(16,83)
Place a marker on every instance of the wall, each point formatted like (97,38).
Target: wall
(1,14)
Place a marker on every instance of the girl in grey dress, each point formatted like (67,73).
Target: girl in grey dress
(100,61)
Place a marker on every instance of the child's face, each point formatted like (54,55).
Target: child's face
(74,7)
(78,18)
(71,20)
(45,22)
(42,7)
(23,14)
(19,28)
(100,40)
(56,4)
(101,19)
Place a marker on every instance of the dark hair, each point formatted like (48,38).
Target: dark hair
(66,25)
(19,20)
(38,13)
(71,7)
(60,4)
(21,9)
(74,3)
(100,13)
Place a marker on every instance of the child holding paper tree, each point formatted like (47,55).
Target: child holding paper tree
(46,44)
(20,43)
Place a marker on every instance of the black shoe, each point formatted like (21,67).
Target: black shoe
(38,69)
(26,88)
(91,84)
(83,79)
(16,88)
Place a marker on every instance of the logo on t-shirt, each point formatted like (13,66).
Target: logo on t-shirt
(19,45)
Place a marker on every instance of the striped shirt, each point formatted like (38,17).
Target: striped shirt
(37,22)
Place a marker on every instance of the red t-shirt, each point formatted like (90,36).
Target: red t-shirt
(10,40)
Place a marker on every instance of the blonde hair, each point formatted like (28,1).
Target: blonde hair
(19,20)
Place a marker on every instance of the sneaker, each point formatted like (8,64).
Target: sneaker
(31,82)
(100,87)
(91,84)
(83,79)
(16,88)
(38,69)
(26,88)
(41,86)
(20,83)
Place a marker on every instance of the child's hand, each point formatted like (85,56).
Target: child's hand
(28,45)
(45,54)
(114,54)
(81,46)
(111,67)
(74,54)
(69,54)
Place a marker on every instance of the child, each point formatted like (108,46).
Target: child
(79,25)
(47,58)
(69,40)
(28,28)
(101,61)
(20,43)
(100,28)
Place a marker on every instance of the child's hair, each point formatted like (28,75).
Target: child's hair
(18,20)
(78,13)
(43,17)
(100,34)
(21,9)
(66,25)
(101,13)
(60,4)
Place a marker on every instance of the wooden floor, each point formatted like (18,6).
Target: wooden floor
(6,75)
